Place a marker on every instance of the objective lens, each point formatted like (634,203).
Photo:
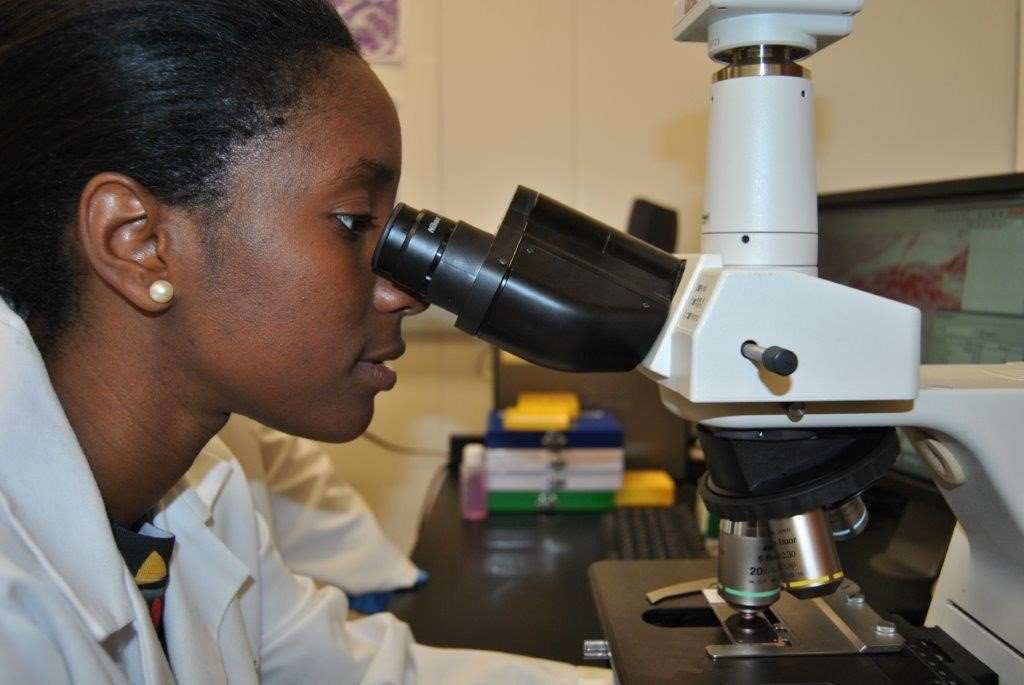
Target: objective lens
(848,519)
(748,575)
(808,563)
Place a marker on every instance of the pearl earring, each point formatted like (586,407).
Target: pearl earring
(161,291)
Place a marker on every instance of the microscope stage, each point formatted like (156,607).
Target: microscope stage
(644,652)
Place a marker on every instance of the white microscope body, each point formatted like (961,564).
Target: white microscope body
(858,354)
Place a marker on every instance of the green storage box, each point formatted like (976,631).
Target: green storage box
(566,500)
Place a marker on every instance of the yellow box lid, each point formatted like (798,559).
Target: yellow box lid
(542,411)
(548,401)
(646,488)
(535,419)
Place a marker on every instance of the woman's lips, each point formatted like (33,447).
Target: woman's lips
(377,374)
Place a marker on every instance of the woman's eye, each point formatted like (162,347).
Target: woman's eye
(354,225)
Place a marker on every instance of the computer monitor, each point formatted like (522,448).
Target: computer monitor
(953,249)
(654,224)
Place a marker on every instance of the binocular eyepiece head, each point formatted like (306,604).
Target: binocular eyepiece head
(552,286)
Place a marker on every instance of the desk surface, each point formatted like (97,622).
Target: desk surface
(513,583)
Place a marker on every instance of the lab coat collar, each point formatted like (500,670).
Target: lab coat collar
(206,576)
(52,497)
(204,482)
(47,485)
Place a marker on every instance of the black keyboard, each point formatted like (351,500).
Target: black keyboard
(652,533)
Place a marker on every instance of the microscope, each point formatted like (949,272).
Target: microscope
(797,386)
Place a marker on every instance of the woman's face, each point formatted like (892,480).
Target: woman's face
(286,321)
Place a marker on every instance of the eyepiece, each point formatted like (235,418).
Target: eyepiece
(390,252)
(552,285)
(431,255)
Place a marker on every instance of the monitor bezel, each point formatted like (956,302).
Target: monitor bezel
(1001,184)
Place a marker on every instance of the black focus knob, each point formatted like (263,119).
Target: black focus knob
(779,360)
(776,359)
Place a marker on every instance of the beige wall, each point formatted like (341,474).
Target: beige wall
(592,102)
(922,90)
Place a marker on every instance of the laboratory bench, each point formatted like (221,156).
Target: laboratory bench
(519,583)
(513,582)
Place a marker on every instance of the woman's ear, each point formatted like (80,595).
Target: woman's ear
(122,239)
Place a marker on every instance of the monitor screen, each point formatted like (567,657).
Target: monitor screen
(959,258)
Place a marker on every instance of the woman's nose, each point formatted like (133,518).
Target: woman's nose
(390,299)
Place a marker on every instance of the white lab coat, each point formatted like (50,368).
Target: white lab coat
(320,524)
(70,611)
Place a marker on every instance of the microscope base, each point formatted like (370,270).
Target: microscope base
(671,641)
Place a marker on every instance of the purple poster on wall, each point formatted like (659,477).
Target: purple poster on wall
(374,25)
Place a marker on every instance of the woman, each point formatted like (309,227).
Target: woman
(190,191)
